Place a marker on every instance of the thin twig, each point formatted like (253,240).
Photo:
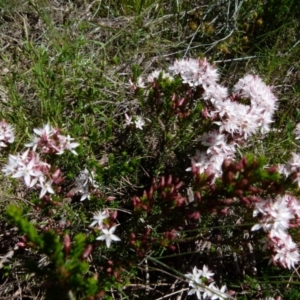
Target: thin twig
(147,277)
(174,293)
(189,45)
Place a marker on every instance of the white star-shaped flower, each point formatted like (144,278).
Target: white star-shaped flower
(108,236)
(46,187)
(128,120)
(206,272)
(99,217)
(139,122)
(27,171)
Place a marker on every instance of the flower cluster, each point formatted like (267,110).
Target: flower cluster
(195,72)
(108,233)
(29,166)
(152,77)
(138,121)
(6,134)
(159,74)
(218,150)
(235,117)
(263,101)
(292,168)
(33,170)
(49,140)
(275,217)
(85,184)
(197,282)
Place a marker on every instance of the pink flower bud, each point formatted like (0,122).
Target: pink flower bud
(172,247)
(114,215)
(56,174)
(181,101)
(242,183)
(136,201)
(227,201)
(224,211)
(238,193)
(58,180)
(180,201)
(87,251)
(226,164)
(273,169)
(172,189)
(228,177)
(255,190)
(144,207)
(162,182)
(245,200)
(179,185)
(254,199)
(197,195)
(231,293)
(67,244)
(169,181)
(150,193)
(194,216)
